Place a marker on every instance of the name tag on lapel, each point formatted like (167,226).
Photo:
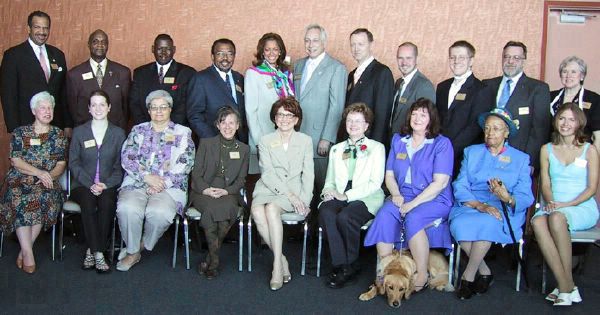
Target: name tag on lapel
(523,111)
(586,105)
(345,155)
(54,66)
(401,156)
(580,162)
(33,142)
(275,144)
(402,100)
(297,76)
(269,85)
(460,96)
(504,158)
(349,87)
(89,143)
(234,155)
(238,88)
(169,137)
(87,76)
(169,80)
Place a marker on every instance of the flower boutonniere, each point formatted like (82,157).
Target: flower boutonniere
(362,150)
(174,87)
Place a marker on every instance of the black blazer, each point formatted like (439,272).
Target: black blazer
(529,104)
(206,94)
(145,80)
(21,77)
(82,160)
(375,88)
(591,109)
(459,122)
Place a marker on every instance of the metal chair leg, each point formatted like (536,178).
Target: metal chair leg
(61,235)
(544,267)
(241,244)
(53,240)
(518,284)
(451,264)
(186,235)
(250,244)
(303,270)
(175,241)
(319,249)
(1,242)
(457,264)
(112,240)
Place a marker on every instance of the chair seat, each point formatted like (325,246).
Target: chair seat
(292,218)
(586,236)
(71,207)
(193,213)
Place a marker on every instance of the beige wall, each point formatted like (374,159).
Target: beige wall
(431,24)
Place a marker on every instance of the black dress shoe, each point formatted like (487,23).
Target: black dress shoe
(341,279)
(334,272)
(466,289)
(482,283)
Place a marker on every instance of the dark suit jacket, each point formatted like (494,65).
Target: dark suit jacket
(529,104)
(115,83)
(82,160)
(145,80)
(459,122)
(375,88)
(591,109)
(21,77)
(206,94)
(419,86)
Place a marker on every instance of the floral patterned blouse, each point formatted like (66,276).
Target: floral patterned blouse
(169,154)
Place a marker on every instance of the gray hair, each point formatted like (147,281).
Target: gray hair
(40,97)
(157,95)
(317,27)
(575,59)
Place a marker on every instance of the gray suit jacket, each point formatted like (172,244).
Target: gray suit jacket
(419,86)
(83,158)
(322,100)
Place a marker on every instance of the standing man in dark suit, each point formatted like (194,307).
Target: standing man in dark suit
(409,88)
(32,67)
(525,98)
(164,74)
(372,83)
(320,81)
(456,104)
(215,87)
(98,73)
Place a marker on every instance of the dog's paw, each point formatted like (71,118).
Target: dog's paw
(365,296)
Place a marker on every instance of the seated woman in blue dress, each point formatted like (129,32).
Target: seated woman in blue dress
(418,172)
(491,173)
(569,178)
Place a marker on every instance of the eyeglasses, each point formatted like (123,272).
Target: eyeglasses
(223,54)
(515,58)
(459,58)
(161,108)
(487,129)
(282,116)
(354,122)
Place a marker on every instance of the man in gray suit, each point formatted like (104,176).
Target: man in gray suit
(409,88)
(320,81)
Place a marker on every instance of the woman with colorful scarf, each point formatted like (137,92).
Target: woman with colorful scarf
(268,80)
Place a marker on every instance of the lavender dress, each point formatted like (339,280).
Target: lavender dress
(413,170)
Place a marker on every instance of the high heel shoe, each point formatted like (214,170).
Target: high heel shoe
(29,269)
(287,276)
(276,284)
(20,262)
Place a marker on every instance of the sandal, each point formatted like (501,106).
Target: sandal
(563,299)
(101,265)
(552,296)
(88,262)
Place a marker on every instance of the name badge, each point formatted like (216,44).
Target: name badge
(579,162)
(460,96)
(234,155)
(33,142)
(349,87)
(238,88)
(169,137)
(297,76)
(87,76)
(586,105)
(89,143)
(401,156)
(269,85)
(523,110)
(275,144)
(169,80)
(402,100)
(345,155)
(504,158)
(54,66)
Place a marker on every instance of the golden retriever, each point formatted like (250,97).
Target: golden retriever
(396,274)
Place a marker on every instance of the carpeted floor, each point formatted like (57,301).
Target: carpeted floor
(153,287)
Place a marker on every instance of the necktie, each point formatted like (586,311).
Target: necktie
(397,100)
(505,95)
(228,84)
(44,65)
(161,75)
(357,74)
(99,75)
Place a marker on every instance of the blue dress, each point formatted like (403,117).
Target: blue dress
(568,181)
(435,157)
(478,166)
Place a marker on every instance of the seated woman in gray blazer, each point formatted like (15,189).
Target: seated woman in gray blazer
(219,173)
(95,164)
(286,184)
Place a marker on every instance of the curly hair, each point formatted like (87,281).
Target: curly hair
(291,105)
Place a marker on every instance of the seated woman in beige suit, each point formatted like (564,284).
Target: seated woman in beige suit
(286,184)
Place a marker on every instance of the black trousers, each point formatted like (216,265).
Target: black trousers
(341,222)
(97,214)
(215,233)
